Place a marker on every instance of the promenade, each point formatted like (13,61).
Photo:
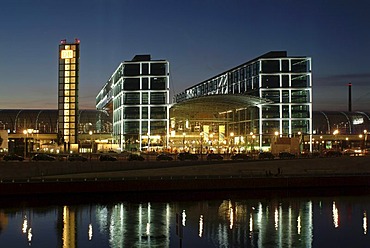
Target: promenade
(95,176)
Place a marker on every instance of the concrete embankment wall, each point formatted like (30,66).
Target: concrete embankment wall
(95,177)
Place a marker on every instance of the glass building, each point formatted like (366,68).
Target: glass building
(138,96)
(69,56)
(284,84)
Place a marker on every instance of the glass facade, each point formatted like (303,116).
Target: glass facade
(69,56)
(138,96)
(285,82)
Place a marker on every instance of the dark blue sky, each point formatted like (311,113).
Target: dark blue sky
(199,38)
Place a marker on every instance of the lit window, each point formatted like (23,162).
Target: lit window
(66,93)
(66,99)
(73,99)
(66,132)
(72,125)
(67,86)
(67,61)
(73,80)
(72,119)
(73,67)
(73,47)
(73,86)
(73,61)
(73,73)
(66,47)
(66,73)
(72,92)
(66,67)
(66,106)
(66,112)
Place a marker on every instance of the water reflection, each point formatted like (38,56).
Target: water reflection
(218,223)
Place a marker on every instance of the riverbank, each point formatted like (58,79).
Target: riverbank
(22,178)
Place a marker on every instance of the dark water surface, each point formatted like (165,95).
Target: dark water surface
(188,219)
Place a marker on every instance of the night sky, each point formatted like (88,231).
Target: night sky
(200,39)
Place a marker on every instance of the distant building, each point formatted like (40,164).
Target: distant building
(138,96)
(69,62)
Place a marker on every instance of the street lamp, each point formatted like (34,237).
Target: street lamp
(91,141)
(365,139)
(25,140)
(335,138)
(183,141)
(231,140)
(201,145)
(26,132)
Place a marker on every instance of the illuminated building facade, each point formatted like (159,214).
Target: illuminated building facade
(69,56)
(138,96)
(285,85)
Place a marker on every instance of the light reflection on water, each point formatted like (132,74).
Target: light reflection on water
(286,222)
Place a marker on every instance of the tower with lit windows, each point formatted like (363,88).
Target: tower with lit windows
(68,79)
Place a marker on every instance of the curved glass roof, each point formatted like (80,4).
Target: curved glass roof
(325,122)
(215,104)
(45,120)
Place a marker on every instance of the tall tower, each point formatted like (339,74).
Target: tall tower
(69,57)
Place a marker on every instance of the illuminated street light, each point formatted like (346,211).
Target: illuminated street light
(183,140)
(231,140)
(335,138)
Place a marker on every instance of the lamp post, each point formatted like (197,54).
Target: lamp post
(25,141)
(91,141)
(231,141)
(365,139)
(183,141)
(201,145)
(335,138)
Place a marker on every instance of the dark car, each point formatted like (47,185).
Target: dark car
(136,157)
(163,156)
(76,157)
(12,157)
(286,155)
(266,155)
(43,157)
(107,158)
(332,153)
(214,156)
(187,156)
(240,156)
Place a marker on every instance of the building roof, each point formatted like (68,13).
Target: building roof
(214,104)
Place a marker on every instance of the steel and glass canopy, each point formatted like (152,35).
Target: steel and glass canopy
(214,104)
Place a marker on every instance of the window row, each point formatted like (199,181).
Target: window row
(137,69)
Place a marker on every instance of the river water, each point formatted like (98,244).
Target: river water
(188,219)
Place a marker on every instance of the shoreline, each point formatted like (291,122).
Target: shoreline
(86,178)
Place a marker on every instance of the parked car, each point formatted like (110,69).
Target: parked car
(107,158)
(187,156)
(12,157)
(240,156)
(76,157)
(214,156)
(136,157)
(332,153)
(266,155)
(164,156)
(286,155)
(43,157)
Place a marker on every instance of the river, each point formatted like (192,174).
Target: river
(330,218)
